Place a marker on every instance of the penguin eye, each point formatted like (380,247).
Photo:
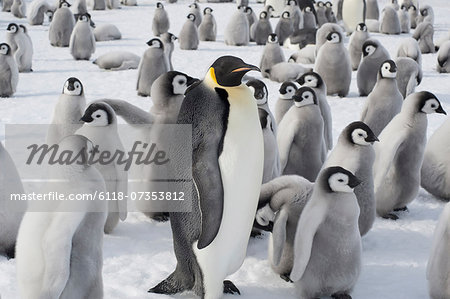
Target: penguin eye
(181,82)
(98,116)
(360,134)
(341,180)
(433,106)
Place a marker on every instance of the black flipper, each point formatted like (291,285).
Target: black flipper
(168,286)
(133,115)
(230,288)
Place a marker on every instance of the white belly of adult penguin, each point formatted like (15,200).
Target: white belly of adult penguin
(228,153)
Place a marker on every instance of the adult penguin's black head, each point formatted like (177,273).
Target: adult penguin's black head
(227,71)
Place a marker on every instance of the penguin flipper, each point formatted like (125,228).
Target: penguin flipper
(133,115)
(279,235)
(312,217)
(439,236)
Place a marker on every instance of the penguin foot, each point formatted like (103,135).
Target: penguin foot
(390,216)
(142,94)
(286,277)
(160,217)
(11,252)
(230,288)
(255,233)
(341,296)
(166,287)
(403,209)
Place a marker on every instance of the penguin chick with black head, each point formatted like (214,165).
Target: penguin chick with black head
(385,101)
(9,73)
(237,32)
(207,31)
(284,27)
(261,29)
(354,151)
(100,127)
(153,64)
(300,136)
(272,54)
(400,152)
(443,63)
(195,10)
(82,40)
(357,39)
(21,46)
(61,26)
(188,36)
(228,156)
(424,35)
(160,23)
(327,248)
(284,102)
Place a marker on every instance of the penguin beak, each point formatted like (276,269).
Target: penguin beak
(441,110)
(191,81)
(353,181)
(393,69)
(86,118)
(371,138)
(246,68)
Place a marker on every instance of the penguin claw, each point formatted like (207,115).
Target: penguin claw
(230,288)
(286,277)
(341,296)
(390,216)
(403,209)
(11,253)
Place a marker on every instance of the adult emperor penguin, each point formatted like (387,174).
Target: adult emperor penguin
(160,23)
(409,75)
(100,127)
(409,47)
(357,40)
(19,9)
(286,197)
(117,61)
(36,12)
(21,46)
(268,125)
(435,173)
(354,152)
(237,32)
(261,29)
(67,256)
(195,9)
(10,215)
(443,65)
(68,111)
(285,101)
(168,40)
(153,64)
(374,54)
(272,54)
(207,31)
(438,270)
(384,101)
(9,73)
(333,65)
(300,136)
(327,248)
(399,154)
(424,35)
(284,27)
(213,228)
(61,26)
(82,40)
(353,13)
(372,10)
(314,81)
(389,23)
(188,36)
(295,13)
(403,17)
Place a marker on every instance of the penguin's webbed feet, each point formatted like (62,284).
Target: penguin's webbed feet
(10,252)
(390,216)
(286,277)
(230,288)
(402,209)
(165,287)
(341,296)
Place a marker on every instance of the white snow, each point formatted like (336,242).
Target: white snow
(139,253)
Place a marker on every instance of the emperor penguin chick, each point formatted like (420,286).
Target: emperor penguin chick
(384,101)
(443,65)
(409,75)
(374,54)
(327,248)
(61,26)
(300,136)
(286,197)
(261,29)
(357,39)
(424,35)
(195,10)
(403,17)
(21,45)
(207,31)
(272,54)
(188,36)
(412,12)
(68,111)
(153,63)
(36,12)
(168,40)
(333,65)
(409,47)
(237,32)
(160,23)
(372,10)
(100,127)
(19,9)
(10,216)
(9,73)
(389,24)
(354,152)
(400,152)
(435,173)
(82,40)
(438,270)
(118,61)
(295,14)
(67,256)
(284,27)
(285,101)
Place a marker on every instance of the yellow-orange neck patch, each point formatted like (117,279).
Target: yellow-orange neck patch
(212,74)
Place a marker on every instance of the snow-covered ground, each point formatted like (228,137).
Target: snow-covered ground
(139,253)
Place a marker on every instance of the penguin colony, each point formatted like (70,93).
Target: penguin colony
(253,170)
